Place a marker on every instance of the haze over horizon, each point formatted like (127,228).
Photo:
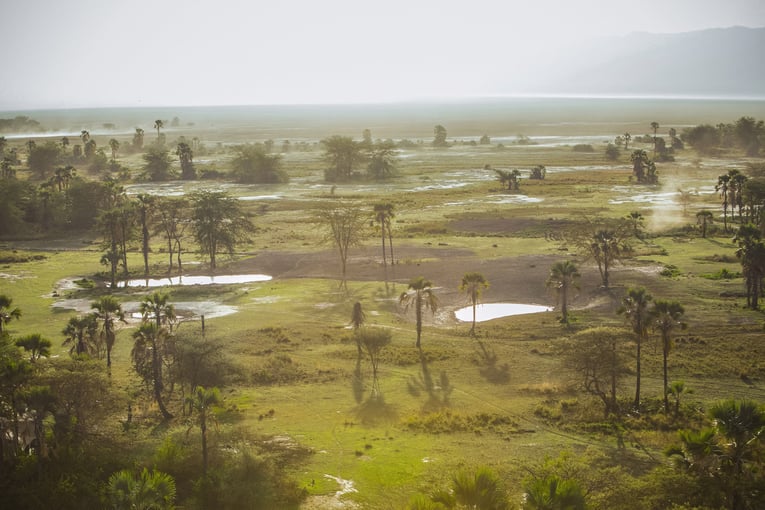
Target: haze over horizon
(86,53)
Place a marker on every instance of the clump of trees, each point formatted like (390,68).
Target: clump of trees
(252,164)
(345,156)
(747,134)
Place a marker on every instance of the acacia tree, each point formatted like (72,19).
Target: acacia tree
(595,356)
(472,284)
(173,219)
(635,310)
(7,312)
(342,154)
(420,294)
(373,341)
(218,223)
(382,160)
(666,317)
(108,310)
(344,223)
(564,277)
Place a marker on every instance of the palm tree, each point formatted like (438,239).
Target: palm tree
(36,345)
(553,493)
(80,332)
(472,284)
(158,124)
(7,314)
(640,164)
(563,277)
(666,316)
(153,490)
(145,209)
(203,401)
(85,136)
(108,310)
(420,293)
(722,186)
(655,127)
(147,359)
(357,319)
(383,215)
(157,307)
(481,490)
(751,253)
(742,424)
(704,217)
(115,146)
(676,389)
(606,248)
(627,138)
(635,310)
(636,218)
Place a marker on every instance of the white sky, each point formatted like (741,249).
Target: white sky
(83,53)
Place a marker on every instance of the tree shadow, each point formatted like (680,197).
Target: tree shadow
(376,410)
(438,392)
(357,381)
(490,369)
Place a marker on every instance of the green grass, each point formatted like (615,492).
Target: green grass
(507,405)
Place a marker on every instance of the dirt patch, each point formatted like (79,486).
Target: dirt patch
(531,227)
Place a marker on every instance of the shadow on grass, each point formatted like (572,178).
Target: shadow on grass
(490,369)
(437,391)
(375,410)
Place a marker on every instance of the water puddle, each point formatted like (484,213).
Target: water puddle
(488,311)
(197,280)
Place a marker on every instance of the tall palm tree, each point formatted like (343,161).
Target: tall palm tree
(704,217)
(564,276)
(655,127)
(202,401)
(383,215)
(145,209)
(158,124)
(36,345)
(473,284)
(666,317)
(751,253)
(108,310)
(627,138)
(357,319)
(147,359)
(114,145)
(7,311)
(420,293)
(723,187)
(80,332)
(635,310)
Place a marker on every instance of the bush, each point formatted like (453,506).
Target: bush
(583,147)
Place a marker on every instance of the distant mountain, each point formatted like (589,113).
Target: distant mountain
(715,62)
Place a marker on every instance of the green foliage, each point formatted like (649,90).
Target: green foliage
(612,152)
(449,422)
(150,490)
(218,223)
(157,164)
(43,159)
(252,165)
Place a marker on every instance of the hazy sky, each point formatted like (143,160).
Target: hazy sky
(80,53)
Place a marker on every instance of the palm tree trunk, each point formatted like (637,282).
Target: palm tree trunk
(418,314)
(472,328)
(665,341)
(564,302)
(636,404)
(203,426)
(157,375)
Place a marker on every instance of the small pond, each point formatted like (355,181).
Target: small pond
(197,280)
(489,311)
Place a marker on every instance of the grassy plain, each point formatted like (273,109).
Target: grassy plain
(501,399)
